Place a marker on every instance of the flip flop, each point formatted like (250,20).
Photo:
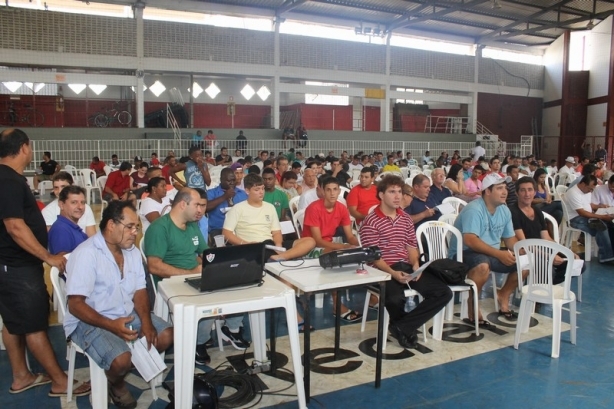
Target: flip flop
(346,316)
(510,315)
(85,392)
(374,307)
(481,323)
(40,380)
(301,327)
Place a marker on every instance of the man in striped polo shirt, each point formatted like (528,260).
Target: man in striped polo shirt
(392,230)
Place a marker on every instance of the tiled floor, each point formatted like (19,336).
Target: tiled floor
(481,374)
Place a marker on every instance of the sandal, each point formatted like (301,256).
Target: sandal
(481,323)
(374,307)
(511,315)
(122,400)
(41,379)
(351,316)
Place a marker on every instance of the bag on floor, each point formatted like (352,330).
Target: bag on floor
(449,271)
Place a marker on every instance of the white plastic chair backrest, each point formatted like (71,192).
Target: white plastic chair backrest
(298,219)
(356,174)
(354,183)
(427,172)
(342,200)
(88,177)
(72,170)
(555,227)
(438,235)
(456,202)
(550,170)
(541,258)
(426,167)
(381,175)
(343,192)
(294,204)
(448,218)
(565,209)
(558,191)
(58,289)
(409,180)
(107,169)
(215,171)
(562,178)
(447,168)
(405,172)
(101,182)
(550,184)
(142,247)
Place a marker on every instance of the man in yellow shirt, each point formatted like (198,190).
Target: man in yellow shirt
(390,166)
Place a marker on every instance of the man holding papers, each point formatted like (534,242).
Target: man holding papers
(392,230)
(423,207)
(484,223)
(108,306)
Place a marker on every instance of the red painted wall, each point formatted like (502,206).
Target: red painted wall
(372,119)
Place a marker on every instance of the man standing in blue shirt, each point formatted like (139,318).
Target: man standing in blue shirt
(65,234)
(484,223)
(221,199)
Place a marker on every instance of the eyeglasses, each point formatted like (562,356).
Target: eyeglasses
(134,227)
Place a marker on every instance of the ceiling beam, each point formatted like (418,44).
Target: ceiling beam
(288,5)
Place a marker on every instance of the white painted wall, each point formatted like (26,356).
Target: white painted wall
(597,59)
(553,62)
(550,121)
(596,116)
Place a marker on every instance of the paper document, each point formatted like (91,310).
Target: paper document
(524,262)
(148,363)
(606,210)
(576,270)
(420,270)
(286,227)
(446,208)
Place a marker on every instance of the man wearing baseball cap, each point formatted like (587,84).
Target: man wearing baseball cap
(569,166)
(484,223)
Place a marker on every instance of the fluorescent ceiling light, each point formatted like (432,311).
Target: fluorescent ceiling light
(77,88)
(196,90)
(97,88)
(12,85)
(212,90)
(35,87)
(263,92)
(157,88)
(248,92)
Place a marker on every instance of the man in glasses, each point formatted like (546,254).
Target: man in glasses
(108,305)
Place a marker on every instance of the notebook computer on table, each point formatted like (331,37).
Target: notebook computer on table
(228,267)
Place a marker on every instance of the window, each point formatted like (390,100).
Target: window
(327,98)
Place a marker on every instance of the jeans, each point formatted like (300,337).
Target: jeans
(603,237)
(203,334)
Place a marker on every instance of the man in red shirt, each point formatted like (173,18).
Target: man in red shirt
(282,167)
(322,219)
(363,197)
(118,184)
(98,166)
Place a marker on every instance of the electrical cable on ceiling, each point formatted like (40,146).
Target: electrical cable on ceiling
(515,76)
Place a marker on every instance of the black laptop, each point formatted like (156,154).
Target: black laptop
(227,267)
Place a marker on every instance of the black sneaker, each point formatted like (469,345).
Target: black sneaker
(202,357)
(235,338)
(403,340)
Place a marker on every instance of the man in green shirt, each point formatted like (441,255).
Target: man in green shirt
(275,196)
(173,246)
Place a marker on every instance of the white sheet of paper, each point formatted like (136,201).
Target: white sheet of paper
(287,227)
(148,363)
(576,270)
(446,208)
(606,210)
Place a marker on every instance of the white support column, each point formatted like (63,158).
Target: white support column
(275,115)
(473,107)
(140,73)
(385,103)
(192,101)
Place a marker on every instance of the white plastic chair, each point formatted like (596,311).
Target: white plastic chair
(101,182)
(107,169)
(356,174)
(354,183)
(293,205)
(98,378)
(456,203)
(438,235)
(343,192)
(44,185)
(405,172)
(556,238)
(539,289)
(427,173)
(569,231)
(297,220)
(558,191)
(74,173)
(550,184)
(88,180)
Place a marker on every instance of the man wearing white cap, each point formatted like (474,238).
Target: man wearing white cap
(568,168)
(484,223)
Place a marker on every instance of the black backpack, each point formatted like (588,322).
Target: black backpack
(450,271)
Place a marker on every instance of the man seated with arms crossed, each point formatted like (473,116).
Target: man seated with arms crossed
(323,218)
(484,223)
(363,196)
(87,223)
(581,216)
(221,198)
(392,230)
(256,221)
(173,246)
(529,222)
(108,304)
(65,234)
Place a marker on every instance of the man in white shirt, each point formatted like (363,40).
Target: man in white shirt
(477,152)
(355,164)
(52,210)
(578,202)
(568,168)
(604,194)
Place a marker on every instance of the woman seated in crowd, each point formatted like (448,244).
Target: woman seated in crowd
(156,204)
(456,184)
(543,199)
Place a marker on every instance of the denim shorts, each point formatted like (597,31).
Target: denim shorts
(472,259)
(104,346)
